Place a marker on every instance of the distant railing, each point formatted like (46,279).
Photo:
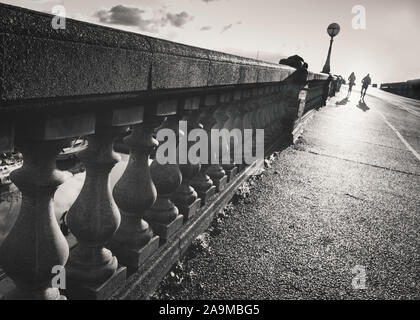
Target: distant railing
(88,80)
(409,89)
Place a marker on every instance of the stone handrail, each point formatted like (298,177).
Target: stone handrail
(409,89)
(89,80)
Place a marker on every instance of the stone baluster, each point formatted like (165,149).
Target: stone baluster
(247,115)
(202,182)
(185,197)
(92,269)
(164,216)
(215,170)
(232,113)
(250,143)
(257,119)
(35,244)
(242,108)
(134,194)
(238,124)
(35,249)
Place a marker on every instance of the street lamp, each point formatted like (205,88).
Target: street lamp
(333,29)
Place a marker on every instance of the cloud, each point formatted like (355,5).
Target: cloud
(141,18)
(120,14)
(229,26)
(179,19)
(226,27)
(205,28)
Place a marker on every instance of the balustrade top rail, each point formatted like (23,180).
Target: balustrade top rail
(42,67)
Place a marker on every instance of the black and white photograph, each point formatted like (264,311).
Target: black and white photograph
(209,157)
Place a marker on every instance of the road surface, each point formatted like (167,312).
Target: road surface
(335,217)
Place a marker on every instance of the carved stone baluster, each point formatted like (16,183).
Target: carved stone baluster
(134,194)
(248,127)
(232,113)
(185,197)
(243,107)
(215,170)
(164,215)
(238,123)
(93,219)
(224,121)
(257,108)
(202,182)
(35,249)
(35,244)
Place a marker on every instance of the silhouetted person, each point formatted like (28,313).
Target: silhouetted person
(352,81)
(365,84)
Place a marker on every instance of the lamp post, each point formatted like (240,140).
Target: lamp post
(333,29)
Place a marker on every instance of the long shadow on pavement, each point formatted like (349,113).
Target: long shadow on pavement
(363,106)
(342,102)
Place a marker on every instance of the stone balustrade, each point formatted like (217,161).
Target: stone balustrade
(409,89)
(88,80)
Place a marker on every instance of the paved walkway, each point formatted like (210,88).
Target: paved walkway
(346,195)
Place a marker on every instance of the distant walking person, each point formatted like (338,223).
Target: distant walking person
(365,84)
(352,80)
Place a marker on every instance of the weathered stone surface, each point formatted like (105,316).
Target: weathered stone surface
(316,76)
(166,107)
(50,127)
(84,59)
(93,219)
(134,194)
(171,71)
(220,184)
(272,75)
(177,49)
(40,68)
(231,173)
(164,216)
(86,291)
(35,244)
(166,231)
(189,211)
(205,195)
(134,258)
(122,117)
(64,126)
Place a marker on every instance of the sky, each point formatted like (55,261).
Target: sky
(388,47)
